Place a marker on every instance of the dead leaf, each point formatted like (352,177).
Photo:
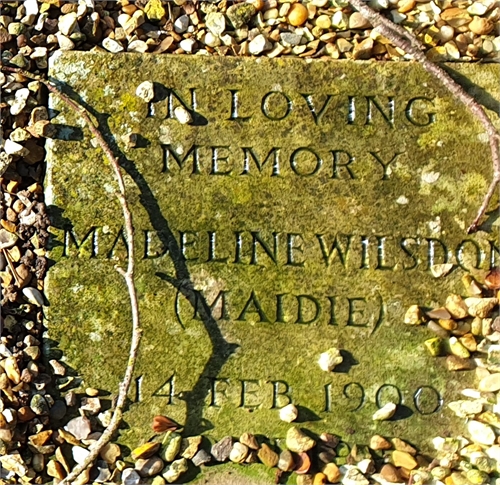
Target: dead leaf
(492,280)
(162,424)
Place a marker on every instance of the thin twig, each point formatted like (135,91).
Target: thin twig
(412,46)
(128,275)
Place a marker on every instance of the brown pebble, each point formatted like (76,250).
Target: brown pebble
(390,473)
(405,6)
(481,26)
(378,442)
(401,445)
(129,9)
(25,414)
(455,363)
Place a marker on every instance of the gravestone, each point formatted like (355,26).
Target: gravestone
(303,207)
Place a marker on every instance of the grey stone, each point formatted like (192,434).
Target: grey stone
(221,450)
(79,427)
(202,457)
(324,237)
(149,467)
(291,38)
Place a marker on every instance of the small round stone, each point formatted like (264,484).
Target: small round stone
(297,15)
(297,441)
(323,22)
(145,91)
(384,413)
(330,359)
(238,453)
(289,413)
(481,26)
(149,467)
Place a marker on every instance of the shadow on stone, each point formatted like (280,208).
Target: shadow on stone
(181,280)
(347,363)
(305,415)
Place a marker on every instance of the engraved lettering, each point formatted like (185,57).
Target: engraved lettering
(249,153)
(167,389)
(465,259)
(220,298)
(413,104)
(342,170)
(71,239)
(218,392)
(355,393)
(357,307)
(280,314)
(388,393)
(338,247)
(333,301)
(372,102)
(153,246)
(119,245)
(238,247)
(281,395)
(311,164)
(291,248)
(385,165)
(186,243)
(494,252)
(317,114)
(249,394)
(433,245)
(257,239)
(216,158)
(427,400)
(257,308)
(138,387)
(276,105)
(235,106)
(314,309)
(211,249)
(381,255)
(365,257)
(405,242)
(168,150)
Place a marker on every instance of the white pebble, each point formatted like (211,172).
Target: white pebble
(79,454)
(112,45)
(330,359)
(145,91)
(187,45)
(183,115)
(481,433)
(13,148)
(19,103)
(289,413)
(385,412)
(259,44)
(33,296)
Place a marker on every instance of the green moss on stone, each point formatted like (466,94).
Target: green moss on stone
(89,315)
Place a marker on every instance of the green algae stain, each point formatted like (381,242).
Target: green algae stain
(232,376)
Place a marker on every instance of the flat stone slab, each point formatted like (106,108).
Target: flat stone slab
(301,208)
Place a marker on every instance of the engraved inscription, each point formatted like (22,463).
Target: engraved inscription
(302,212)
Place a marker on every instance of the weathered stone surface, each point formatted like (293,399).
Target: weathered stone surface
(286,222)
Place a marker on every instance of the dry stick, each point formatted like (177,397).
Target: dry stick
(412,46)
(11,267)
(127,275)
